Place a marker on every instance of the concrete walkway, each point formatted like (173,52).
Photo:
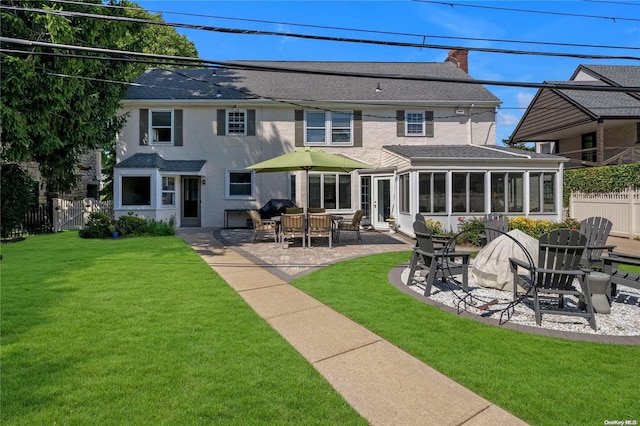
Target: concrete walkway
(384,384)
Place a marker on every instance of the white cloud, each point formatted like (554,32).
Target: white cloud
(524,99)
(504,119)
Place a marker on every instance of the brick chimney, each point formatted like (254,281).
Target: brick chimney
(460,57)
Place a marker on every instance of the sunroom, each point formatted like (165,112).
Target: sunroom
(450,184)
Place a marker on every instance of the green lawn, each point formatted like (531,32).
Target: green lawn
(142,331)
(544,381)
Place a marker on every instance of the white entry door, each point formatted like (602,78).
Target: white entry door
(383,195)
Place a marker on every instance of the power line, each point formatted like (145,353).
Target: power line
(250,67)
(318,37)
(325,27)
(543,12)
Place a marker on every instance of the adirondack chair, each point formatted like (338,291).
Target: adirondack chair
(596,229)
(494,225)
(292,226)
(261,226)
(553,277)
(438,264)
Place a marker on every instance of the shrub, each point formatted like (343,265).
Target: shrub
(17,197)
(99,226)
(159,228)
(131,225)
(472,230)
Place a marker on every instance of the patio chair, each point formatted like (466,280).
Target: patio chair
(261,226)
(558,266)
(320,225)
(437,263)
(352,225)
(495,224)
(292,226)
(294,210)
(596,229)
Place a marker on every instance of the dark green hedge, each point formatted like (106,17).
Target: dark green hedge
(601,179)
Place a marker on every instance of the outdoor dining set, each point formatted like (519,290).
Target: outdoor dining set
(294,223)
(564,258)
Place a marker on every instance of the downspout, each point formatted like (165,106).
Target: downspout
(470,141)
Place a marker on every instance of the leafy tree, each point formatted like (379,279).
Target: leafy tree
(52,119)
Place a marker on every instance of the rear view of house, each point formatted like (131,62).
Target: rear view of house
(426,129)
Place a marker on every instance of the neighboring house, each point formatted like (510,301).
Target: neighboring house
(192,132)
(591,128)
(90,180)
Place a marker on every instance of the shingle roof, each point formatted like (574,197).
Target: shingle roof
(239,84)
(466,152)
(619,75)
(155,161)
(603,104)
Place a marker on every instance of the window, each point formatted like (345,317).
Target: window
(161,127)
(330,191)
(507,192)
(432,193)
(136,190)
(236,122)
(240,184)
(589,147)
(467,192)
(168,191)
(292,188)
(414,122)
(328,128)
(404,193)
(542,192)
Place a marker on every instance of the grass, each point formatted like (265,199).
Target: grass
(142,331)
(542,380)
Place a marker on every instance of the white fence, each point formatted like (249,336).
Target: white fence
(621,208)
(75,214)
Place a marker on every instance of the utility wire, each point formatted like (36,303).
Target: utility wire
(543,12)
(317,37)
(270,68)
(325,27)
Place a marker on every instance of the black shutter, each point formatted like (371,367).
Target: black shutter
(428,124)
(357,128)
(299,135)
(251,122)
(177,129)
(222,124)
(400,122)
(144,127)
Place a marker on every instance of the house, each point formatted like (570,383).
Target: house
(192,133)
(591,128)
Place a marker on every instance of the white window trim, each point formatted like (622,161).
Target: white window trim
(119,182)
(173,191)
(406,123)
(227,184)
(337,176)
(227,122)
(151,127)
(328,129)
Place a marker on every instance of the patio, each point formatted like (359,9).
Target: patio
(290,263)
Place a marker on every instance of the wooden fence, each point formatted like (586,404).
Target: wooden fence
(75,214)
(621,208)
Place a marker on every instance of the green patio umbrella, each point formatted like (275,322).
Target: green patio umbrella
(309,159)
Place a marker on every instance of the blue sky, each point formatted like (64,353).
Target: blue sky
(426,19)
